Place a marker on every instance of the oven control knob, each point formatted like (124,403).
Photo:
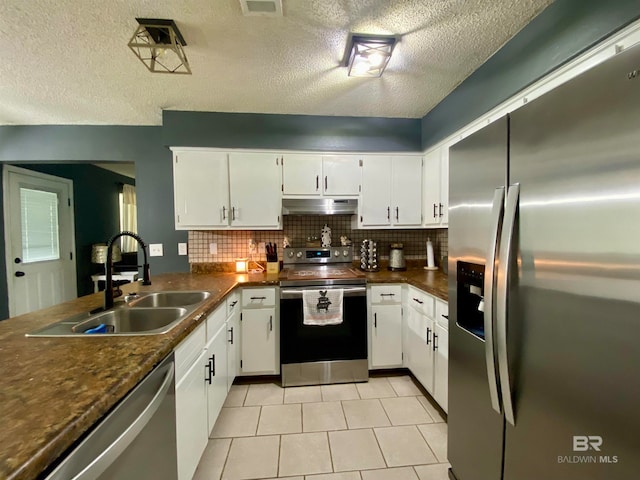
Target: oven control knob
(298,254)
(336,253)
(345,253)
(290,254)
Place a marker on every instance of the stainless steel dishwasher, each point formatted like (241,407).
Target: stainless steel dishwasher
(136,440)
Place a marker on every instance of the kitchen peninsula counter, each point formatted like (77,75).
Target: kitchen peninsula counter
(433,282)
(52,390)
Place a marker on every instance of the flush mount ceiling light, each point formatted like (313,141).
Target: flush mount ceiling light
(368,55)
(158,44)
(261,8)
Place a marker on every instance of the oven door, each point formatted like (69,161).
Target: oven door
(330,346)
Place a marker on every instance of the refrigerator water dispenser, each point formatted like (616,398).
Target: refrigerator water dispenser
(470,298)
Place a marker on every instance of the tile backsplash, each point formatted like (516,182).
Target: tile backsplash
(232,244)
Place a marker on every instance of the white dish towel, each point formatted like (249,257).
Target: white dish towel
(322,307)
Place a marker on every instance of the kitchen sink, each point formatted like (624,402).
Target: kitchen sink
(133,320)
(150,314)
(170,299)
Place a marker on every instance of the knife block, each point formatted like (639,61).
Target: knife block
(273,267)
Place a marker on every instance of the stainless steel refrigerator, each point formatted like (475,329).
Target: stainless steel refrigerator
(544,286)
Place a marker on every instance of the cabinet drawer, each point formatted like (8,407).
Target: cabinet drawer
(258,297)
(442,314)
(188,351)
(421,301)
(233,302)
(386,294)
(215,320)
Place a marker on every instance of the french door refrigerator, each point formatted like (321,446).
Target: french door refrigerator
(544,286)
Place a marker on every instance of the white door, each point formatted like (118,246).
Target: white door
(216,375)
(406,205)
(255,183)
(386,336)
(441,376)
(301,174)
(201,189)
(444,186)
(39,237)
(233,337)
(375,204)
(431,188)
(258,341)
(341,175)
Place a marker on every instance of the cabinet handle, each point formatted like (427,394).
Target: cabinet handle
(397,214)
(213,365)
(428,335)
(326,185)
(207,368)
(440,209)
(445,316)
(317,182)
(419,301)
(231,332)
(388,213)
(270,323)
(224,212)
(435,341)
(258,298)
(375,320)
(387,294)
(233,213)
(233,304)
(435,213)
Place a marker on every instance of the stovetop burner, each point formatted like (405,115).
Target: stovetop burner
(319,266)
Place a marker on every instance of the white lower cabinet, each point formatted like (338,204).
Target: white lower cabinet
(216,375)
(233,337)
(191,403)
(385,326)
(427,343)
(259,327)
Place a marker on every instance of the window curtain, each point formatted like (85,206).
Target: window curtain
(129,217)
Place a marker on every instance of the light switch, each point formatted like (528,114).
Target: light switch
(182,249)
(213,248)
(155,250)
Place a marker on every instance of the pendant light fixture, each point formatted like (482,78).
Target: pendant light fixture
(158,44)
(368,55)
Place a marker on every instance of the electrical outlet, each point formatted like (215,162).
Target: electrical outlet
(262,247)
(213,248)
(155,250)
(182,249)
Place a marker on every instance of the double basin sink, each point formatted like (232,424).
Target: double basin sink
(146,314)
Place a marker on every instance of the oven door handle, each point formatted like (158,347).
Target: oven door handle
(347,292)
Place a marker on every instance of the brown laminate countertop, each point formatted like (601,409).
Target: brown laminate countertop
(53,390)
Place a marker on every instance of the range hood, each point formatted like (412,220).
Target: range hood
(319,206)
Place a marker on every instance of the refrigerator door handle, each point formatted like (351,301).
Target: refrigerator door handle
(506,258)
(497,214)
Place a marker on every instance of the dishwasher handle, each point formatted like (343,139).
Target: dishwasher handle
(113,451)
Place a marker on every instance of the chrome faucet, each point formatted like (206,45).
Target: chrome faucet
(146,276)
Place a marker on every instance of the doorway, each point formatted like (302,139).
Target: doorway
(39,239)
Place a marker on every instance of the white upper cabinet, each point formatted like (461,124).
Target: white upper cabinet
(302,175)
(391,191)
(254,183)
(406,191)
(436,187)
(341,175)
(201,189)
(375,201)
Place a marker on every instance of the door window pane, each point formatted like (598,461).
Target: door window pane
(39,220)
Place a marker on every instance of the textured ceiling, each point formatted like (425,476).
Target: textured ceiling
(67,62)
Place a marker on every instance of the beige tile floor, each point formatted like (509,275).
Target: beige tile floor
(381,430)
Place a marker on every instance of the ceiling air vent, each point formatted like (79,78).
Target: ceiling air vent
(264,8)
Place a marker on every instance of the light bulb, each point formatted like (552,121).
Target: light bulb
(362,67)
(375,59)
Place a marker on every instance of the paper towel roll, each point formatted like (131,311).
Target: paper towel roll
(430,262)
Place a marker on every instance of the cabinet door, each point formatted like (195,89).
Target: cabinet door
(441,376)
(386,336)
(233,352)
(406,191)
(431,188)
(444,186)
(258,341)
(375,201)
(191,418)
(341,175)
(302,174)
(216,374)
(256,196)
(201,189)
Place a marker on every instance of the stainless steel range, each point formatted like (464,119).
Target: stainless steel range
(323,317)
